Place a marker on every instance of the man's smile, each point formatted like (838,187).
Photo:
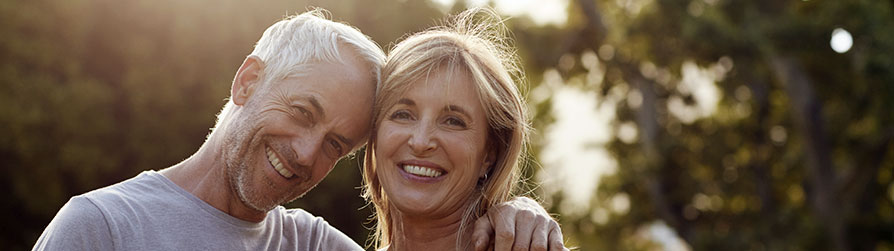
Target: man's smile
(277,164)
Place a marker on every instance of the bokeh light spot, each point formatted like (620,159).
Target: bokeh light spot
(841,40)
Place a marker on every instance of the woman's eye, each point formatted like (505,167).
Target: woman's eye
(457,122)
(400,115)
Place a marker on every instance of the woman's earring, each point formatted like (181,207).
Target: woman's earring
(482,180)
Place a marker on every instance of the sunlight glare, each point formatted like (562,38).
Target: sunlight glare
(700,83)
(574,155)
(664,235)
(544,12)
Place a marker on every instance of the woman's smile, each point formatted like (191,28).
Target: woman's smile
(421,171)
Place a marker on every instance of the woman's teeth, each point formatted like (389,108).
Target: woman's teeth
(277,165)
(422,171)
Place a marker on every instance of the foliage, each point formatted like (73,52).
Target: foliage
(798,154)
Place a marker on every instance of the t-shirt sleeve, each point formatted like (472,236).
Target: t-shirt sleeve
(79,225)
(318,234)
(333,239)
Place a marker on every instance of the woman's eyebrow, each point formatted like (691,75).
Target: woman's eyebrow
(455,108)
(406,101)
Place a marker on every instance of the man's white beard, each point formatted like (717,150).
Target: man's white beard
(238,147)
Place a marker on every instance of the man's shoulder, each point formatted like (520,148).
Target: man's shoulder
(79,225)
(136,197)
(88,221)
(293,212)
(141,211)
(296,216)
(79,211)
(131,190)
(301,217)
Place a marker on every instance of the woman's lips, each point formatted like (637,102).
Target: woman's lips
(421,171)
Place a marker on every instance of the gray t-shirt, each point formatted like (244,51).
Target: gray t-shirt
(149,212)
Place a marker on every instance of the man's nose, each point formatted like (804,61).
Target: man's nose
(307,149)
(421,140)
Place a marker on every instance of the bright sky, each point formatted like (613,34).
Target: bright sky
(542,12)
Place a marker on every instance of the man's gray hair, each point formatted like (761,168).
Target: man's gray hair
(289,46)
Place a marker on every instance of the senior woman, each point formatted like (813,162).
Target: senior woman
(449,130)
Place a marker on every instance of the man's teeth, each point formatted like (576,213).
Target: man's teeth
(277,165)
(422,171)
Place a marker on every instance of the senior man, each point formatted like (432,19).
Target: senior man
(299,102)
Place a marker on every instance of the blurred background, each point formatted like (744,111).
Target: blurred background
(660,124)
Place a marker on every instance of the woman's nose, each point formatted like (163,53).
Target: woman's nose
(421,141)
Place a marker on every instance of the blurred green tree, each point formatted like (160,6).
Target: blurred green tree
(798,153)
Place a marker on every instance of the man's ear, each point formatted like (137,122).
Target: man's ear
(247,79)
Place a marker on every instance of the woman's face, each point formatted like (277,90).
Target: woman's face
(430,146)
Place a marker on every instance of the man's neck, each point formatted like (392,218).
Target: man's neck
(204,175)
(429,233)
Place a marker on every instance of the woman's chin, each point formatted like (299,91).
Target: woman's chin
(415,206)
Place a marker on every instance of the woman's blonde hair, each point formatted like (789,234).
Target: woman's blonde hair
(474,41)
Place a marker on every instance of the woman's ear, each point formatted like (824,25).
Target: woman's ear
(246,80)
(489,161)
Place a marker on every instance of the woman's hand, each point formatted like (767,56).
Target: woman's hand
(519,224)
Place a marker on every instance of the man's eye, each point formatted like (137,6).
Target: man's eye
(336,146)
(304,113)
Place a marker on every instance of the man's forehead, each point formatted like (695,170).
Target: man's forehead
(356,128)
(343,92)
